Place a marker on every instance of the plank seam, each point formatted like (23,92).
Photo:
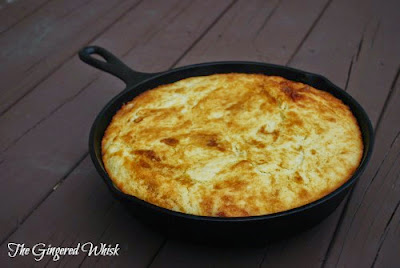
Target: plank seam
(389,96)
(387,100)
(12,143)
(102,233)
(383,238)
(53,234)
(365,192)
(204,33)
(34,65)
(309,32)
(349,72)
(51,259)
(181,12)
(44,198)
(68,260)
(25,17)
(268,18)
(336,231)
(75,8)
(375,33)
(162,245)
(384,159)
(360,45)
(105,230)
(262,260)
(292,57)
(152,32)
(385,176)
(61,64)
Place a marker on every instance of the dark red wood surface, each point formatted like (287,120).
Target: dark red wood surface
(50,191)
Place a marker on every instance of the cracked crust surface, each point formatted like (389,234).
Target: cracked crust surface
(232,145)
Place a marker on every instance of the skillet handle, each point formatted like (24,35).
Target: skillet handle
(112,65)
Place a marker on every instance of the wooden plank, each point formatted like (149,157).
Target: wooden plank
(38,45)
(266,31)
(60,140)
(73,215)
(30,111)
(388,254)
(319,53)
(360,82)
(369,54)
(330,47)
(389,247)
(374,72)
(183,254)
(12,12)
(377,59)
(368,233)
(54,91)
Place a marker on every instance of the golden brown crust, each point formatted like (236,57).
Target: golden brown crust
(232,145)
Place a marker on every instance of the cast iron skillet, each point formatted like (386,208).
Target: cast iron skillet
(215,228)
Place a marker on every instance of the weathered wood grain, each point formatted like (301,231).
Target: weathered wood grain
(266,31)
(65,83)
(13,12)
(354,43)
(363,237)
(38,45)
(60,140)
(184,254)
(365,64)
(387,254)
(81,215)
(376,68)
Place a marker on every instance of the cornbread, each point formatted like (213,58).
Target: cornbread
(232,145)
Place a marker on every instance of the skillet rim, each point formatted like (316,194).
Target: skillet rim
(307,75)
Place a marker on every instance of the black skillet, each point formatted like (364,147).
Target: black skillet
(217,228)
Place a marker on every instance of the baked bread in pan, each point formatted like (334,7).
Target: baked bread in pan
(232,145)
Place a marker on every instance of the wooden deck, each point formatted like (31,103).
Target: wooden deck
(50,191)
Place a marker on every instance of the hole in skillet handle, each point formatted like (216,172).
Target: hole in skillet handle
(111,65)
